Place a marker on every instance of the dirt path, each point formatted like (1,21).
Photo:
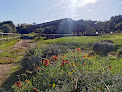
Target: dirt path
(5,69)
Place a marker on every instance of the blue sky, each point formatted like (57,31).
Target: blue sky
(39,11)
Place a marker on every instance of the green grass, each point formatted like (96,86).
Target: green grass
(8,54)
(5,44)
(84,42)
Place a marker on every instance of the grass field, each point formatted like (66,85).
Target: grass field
(84,42)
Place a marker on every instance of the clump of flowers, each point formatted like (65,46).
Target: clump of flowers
(46,62)
(18,83)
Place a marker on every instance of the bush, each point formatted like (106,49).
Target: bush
(102,48)
(52,49)
(33,54)
(31,58)
(119,52)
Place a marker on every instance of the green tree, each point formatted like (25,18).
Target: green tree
(6,28)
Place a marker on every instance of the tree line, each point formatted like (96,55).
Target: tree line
(66,26)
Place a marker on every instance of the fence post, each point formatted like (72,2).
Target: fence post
(2,36)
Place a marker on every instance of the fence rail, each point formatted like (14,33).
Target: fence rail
(9,36)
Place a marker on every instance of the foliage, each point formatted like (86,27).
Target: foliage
(74,72)
(32,55)
(102,48)
(8,27)
(119,52)
(84,42)
(52,49)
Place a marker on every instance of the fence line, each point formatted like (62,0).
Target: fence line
(9,36)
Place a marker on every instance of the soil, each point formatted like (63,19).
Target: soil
(5,69)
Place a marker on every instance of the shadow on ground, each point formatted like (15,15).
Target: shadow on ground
(7,85)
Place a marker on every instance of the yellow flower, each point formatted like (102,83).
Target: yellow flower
(73,64)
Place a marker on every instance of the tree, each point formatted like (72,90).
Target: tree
(6,28)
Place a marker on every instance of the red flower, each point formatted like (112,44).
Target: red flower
(110,67)
(88,55)
(18,83)
(78,49)
(46,62)
(55,58)
(84,56)
(62,64)
(61,59)
(63,55)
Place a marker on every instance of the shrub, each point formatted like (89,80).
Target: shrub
(102,48)
(119,52)
(52,49)
(31,58)
(33,54)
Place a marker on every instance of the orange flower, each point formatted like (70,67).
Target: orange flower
(49,84)
(83,64)
(110,67)
(26,80)
(24,74)
(55,58)
(46,62)
(29,82)
(63,55)
(18,83)
(35,90)
(50,51)
(78,49)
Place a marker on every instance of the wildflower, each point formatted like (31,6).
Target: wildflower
(110,67)
(78,49)
(73,51)
(62,64)
(61,59)
(24,74)
(73,64)
(83,64)
(55,58)
(37,67)
(66,60)
(18,83)
(49,84)
(26,80)
(35,90)
(84,56)
(50,51)
(88,55)
(29,82)
(63,55)
(46,62)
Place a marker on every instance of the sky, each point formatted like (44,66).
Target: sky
(40,11)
